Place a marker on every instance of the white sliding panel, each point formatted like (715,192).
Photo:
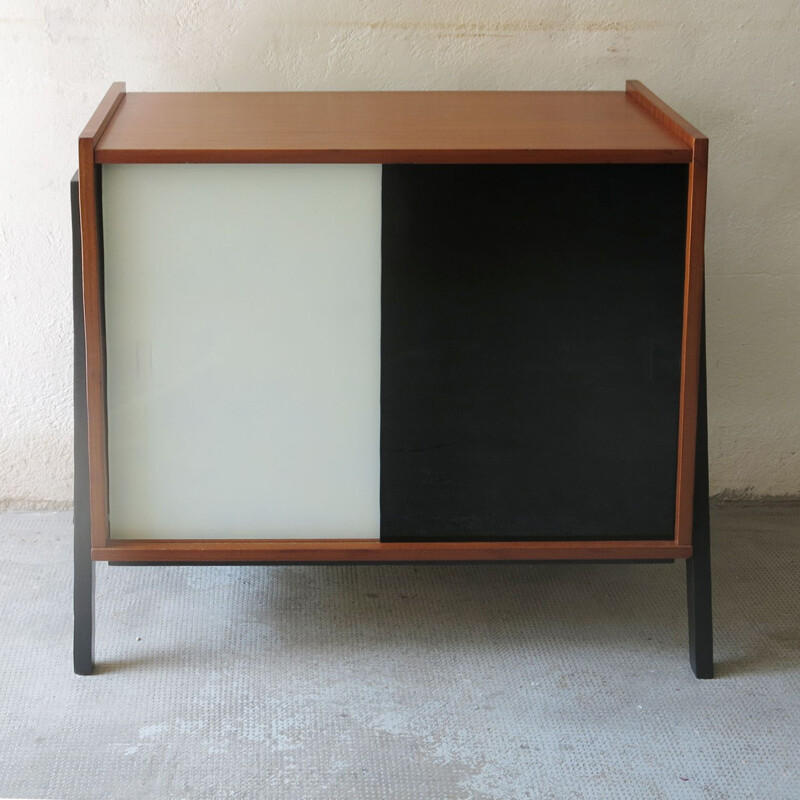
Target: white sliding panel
(243,350)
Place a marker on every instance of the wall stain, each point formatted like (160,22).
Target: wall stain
(491,29)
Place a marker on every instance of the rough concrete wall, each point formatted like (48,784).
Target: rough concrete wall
(730,66)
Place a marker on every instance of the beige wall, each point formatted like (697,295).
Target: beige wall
(730,66)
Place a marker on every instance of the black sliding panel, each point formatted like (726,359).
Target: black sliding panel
(530,352)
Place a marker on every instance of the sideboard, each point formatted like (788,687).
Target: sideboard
(371,327)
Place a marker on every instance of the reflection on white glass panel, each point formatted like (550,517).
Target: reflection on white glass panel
(243,348)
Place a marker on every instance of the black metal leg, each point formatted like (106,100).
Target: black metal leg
(83,633)
(83,586)
(698,567)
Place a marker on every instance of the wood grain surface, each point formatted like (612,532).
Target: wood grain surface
(388,127)
(288,551)
(693,297)
(692,321)
(88,184)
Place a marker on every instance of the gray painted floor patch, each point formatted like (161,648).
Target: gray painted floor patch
(403,682)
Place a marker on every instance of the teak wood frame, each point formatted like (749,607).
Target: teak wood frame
(92,535)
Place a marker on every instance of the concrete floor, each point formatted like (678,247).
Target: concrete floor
(496,682)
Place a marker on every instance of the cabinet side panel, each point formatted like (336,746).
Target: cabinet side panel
(531,351)
(243,350)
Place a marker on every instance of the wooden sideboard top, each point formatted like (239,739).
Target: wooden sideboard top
(630,126)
